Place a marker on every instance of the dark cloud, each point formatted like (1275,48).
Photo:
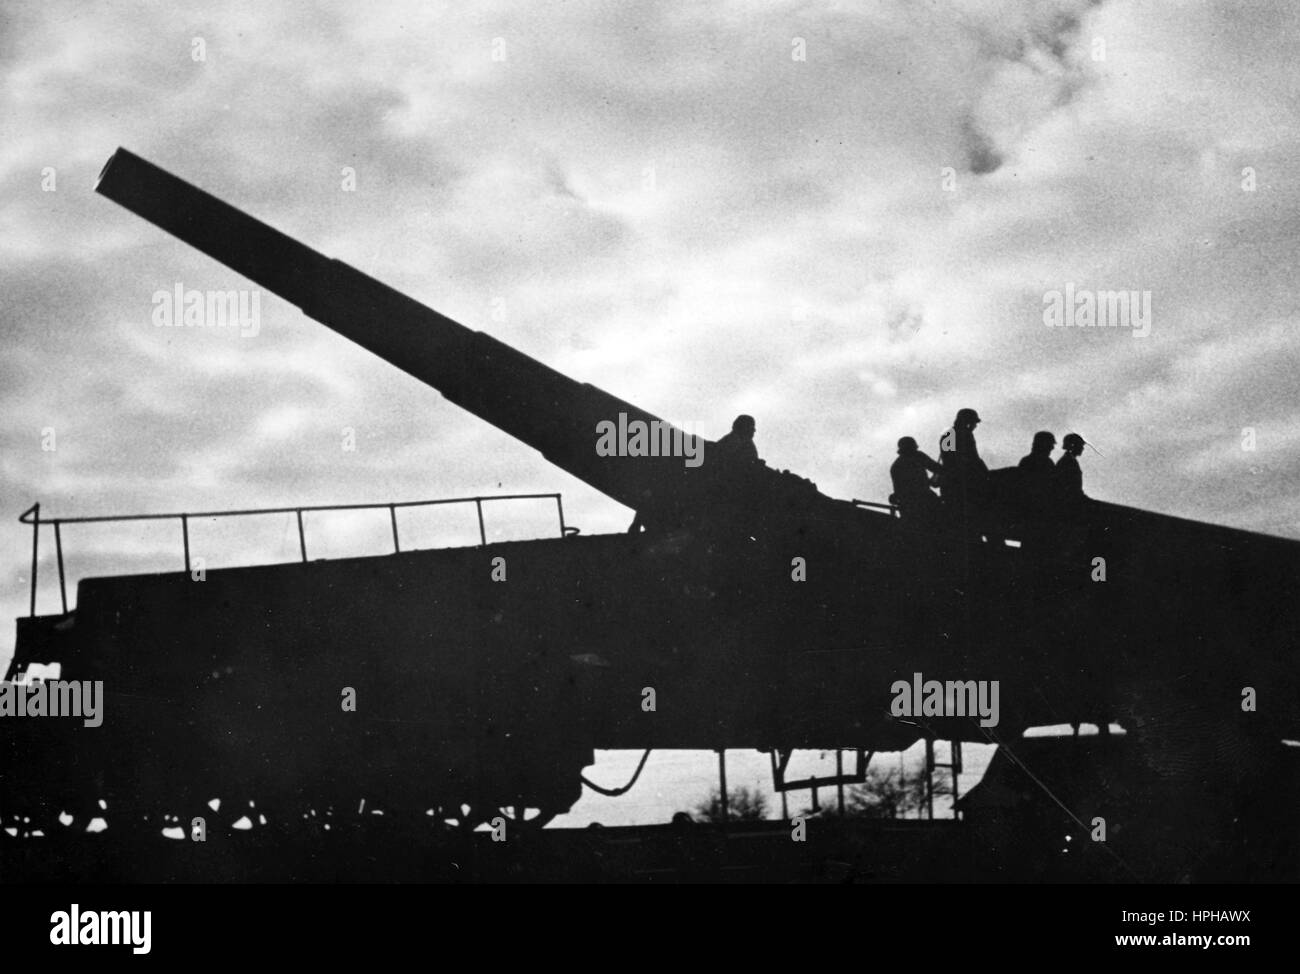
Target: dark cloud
(981,156)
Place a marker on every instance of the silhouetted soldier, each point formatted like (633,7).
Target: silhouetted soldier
(733,464)
(963,481)
(1072,531)
(1038,464)
(911,476)
(963,470)
(1035,493)
(1069,476)
(1037,475)
(737,447)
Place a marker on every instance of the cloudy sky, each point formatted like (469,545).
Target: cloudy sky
(840,217)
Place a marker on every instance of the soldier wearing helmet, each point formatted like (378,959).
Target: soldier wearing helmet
(737,447)
(910,474)
(1069,476)
(964,473)
(733,466)
(1037,463)
(734,469)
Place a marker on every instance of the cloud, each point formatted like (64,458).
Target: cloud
(981,157)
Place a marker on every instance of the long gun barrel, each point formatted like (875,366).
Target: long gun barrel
(528,400)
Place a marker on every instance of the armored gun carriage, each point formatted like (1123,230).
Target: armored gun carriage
(475,696)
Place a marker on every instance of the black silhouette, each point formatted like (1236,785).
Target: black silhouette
(1035,483)
(479,698)
(1037,464)
(964,473)
(737,447)
(734,466)
(1069,476)
(964,479)
(910,474)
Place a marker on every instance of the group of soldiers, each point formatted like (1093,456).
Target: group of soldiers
(968,491)
(967,487)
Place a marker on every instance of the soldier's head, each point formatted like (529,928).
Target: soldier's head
(906,446)
(744,426)
(1072,444)
(966,419)
(1044,442)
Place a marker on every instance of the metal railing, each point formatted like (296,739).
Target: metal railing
(32,516)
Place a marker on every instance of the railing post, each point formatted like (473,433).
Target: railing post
(722,780)
(392,516)
(63,588)
(559,506)
(929,778)
(36,540)
(185,537)
(839,779)
(302,538)
(482,531)
(956,775)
